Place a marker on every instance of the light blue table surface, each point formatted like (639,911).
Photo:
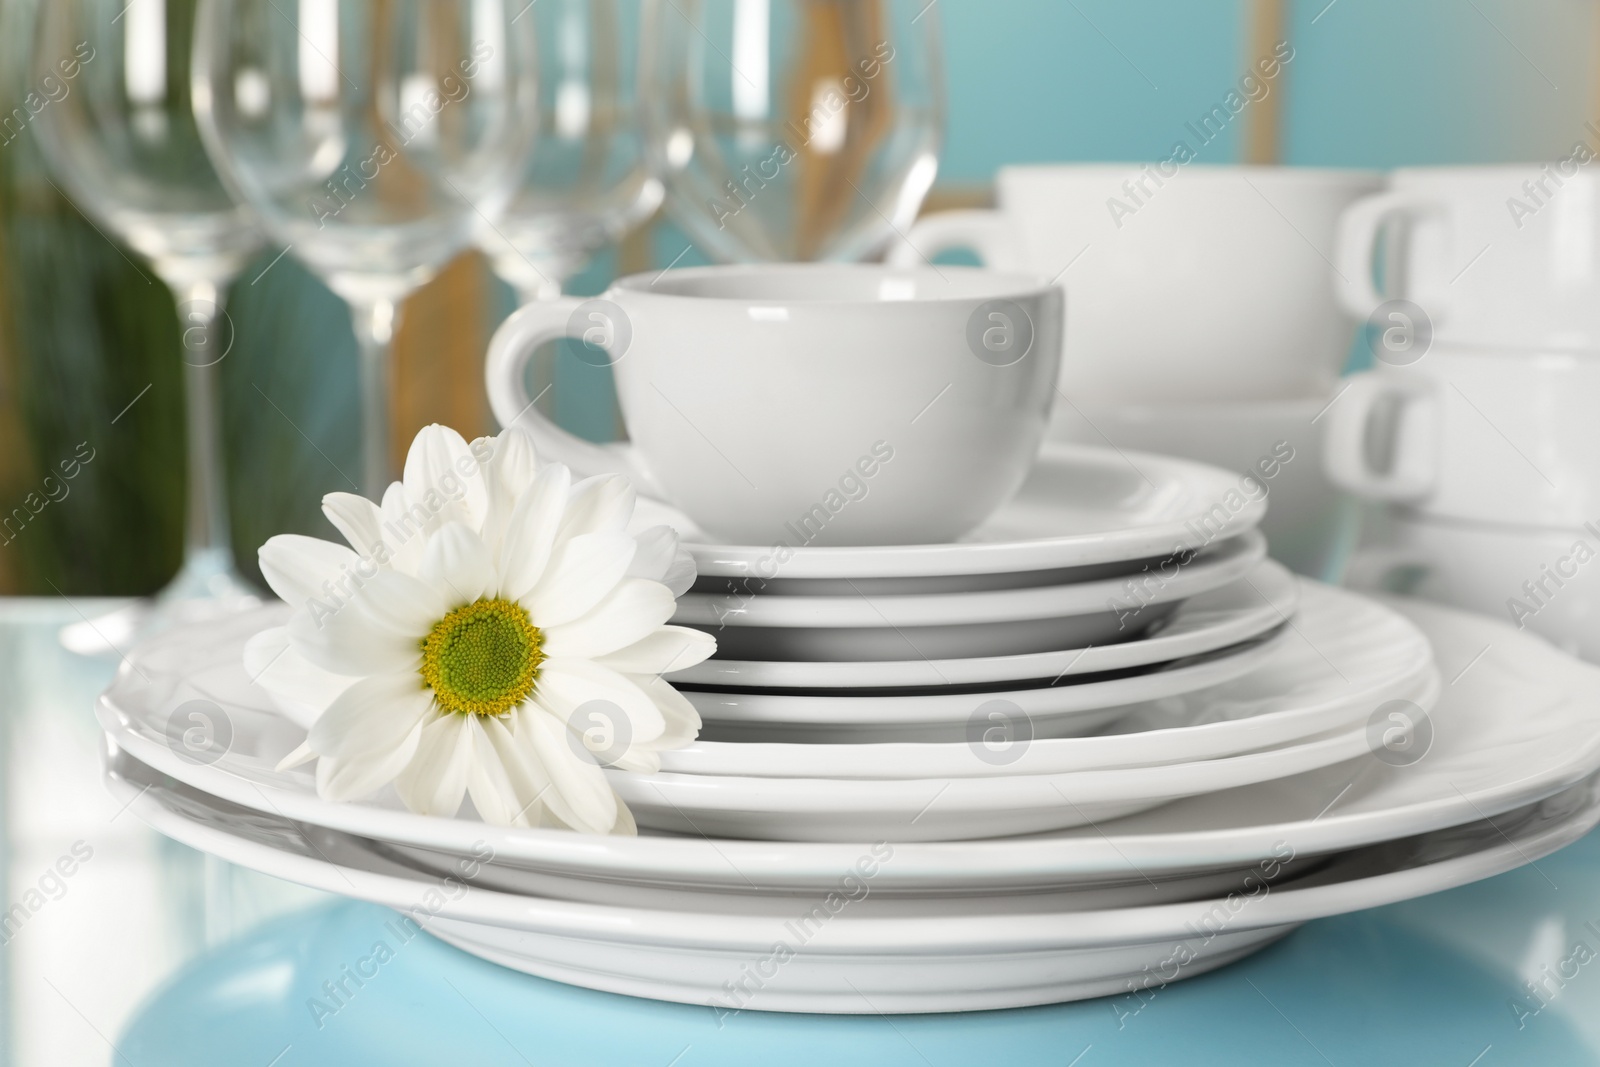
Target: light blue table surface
(155,955)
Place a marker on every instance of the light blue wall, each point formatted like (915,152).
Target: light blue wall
(1372,83)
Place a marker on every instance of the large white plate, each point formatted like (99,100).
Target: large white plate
(1347,656)
(1517,722)
(1079,506)
(862,626)
(1244,609)
(855,951)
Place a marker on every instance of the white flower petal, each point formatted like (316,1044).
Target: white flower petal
(566,685)
(436,779)
(374,715)
(529,783)
(683,721)
(346,642)
(488,781)
(456,563)
(681,575)
(358,519)
(580,795)
(657,547)
(580,574)
(300,755)
(300,689)
(639,760)
(662,651)
(624,826)
(394,601)
(629,613)
(514,464)
(360,777)
(405,529)
(444,476)
(295,566)
(601,504)
(531,531)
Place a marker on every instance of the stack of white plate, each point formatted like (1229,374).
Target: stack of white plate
(943,831)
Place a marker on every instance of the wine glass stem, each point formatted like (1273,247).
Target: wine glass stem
(374,323)
(206,531)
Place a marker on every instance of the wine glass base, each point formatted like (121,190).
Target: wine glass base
(206,587)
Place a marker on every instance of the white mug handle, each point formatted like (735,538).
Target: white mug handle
(1357,237)
(1414,471)
(987,233)
(505,373)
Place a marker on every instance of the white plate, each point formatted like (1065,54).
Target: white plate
(860,952)
(1079,506)
(859,626)
(1520,722)
(1347,656)
(949,809)
(1245,609)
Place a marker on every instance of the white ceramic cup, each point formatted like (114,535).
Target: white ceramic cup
(1538,578)
(808,404)
(1275,447)
(1488,435)
(1188,284)
(1503,256)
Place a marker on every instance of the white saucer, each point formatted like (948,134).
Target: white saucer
(1348,655)
(1080,505)
(859,626)
(854,951)
(1255,604)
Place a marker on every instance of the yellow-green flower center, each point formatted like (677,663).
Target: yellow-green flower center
(483,658)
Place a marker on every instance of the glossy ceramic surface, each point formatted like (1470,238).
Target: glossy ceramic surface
(1079,506)
(1482,760)
(873,955)
(1256,603)
(825,404)
(947,625)
(1156,300)
(1347,656)
(1535,277)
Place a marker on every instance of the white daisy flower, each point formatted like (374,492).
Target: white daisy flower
(492,630)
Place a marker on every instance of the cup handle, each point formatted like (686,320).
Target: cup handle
(505,374)
(1414,471)
(1359,227)
(985,232)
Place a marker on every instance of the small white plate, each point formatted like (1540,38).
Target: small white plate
(852,950)
(1263,599)
(1080,505)
(947,625)
(1347,657)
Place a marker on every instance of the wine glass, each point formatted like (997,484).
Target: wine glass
(588,182)
(793,129)
(119,134)
(372,138)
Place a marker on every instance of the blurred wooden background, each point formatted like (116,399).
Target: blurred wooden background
(85,333)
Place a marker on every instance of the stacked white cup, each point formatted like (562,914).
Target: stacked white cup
(1477,424)
(1202,319)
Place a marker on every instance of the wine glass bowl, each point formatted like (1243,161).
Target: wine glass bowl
(588,181)
(119,134)
(373,138)
(122,137)
(794,129)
